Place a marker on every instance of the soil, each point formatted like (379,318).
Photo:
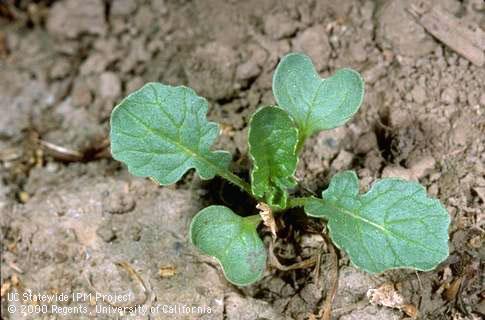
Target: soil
(74,221)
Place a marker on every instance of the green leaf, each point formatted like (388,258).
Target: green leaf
(161,132)
(272,145)
(316,104)
(394,225)
(233,241)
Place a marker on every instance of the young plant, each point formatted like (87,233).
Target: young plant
(161,132)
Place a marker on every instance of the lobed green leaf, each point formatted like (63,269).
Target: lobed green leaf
(161,132)
(316,104)
(272,146)
(394,225)
(233,241)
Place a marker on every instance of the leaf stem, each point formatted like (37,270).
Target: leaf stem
(296,202)
(234,179)
(253,220)
(301,142)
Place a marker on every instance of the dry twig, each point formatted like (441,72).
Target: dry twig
(327,306)
(467,40)
(129,269)
(299,265)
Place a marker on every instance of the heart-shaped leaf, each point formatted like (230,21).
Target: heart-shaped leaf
(272,145)
(161,132)
(316,104)
(233,241)
(394,225)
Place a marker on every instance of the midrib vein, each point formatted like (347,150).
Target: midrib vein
(176,143)
(383,229)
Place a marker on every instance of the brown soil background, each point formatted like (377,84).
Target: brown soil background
(76,221)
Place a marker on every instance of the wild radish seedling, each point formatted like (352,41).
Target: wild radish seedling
(161,132)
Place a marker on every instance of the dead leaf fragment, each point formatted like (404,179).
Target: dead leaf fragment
(226,129)
(447,274)
(5,288)
(410,310)
(452,291)
(23,197)
(15,280)
(268,219)
(167,271)
(476,242)
(386,295)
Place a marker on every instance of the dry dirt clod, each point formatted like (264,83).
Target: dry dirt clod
(123,7)
(366,143)
(314,42)
(212,69)
(109,85)
(247,70)
(399,30)
(119,203)
(81,94)
(343,160)
(95,63)
(334,279)
(279,25)
(397,172)
(422,166)
(449,95)
(419,94)
(247,308)
(133,84)
(70,18)
(106,232)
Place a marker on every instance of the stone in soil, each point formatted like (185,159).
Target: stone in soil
(71,18)
(314,42)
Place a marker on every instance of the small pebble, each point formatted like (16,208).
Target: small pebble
(23,196)
(482,99)
(422,167)
(279,26)
(419,94)
(343,160)
(448,96)
(397,172)
(247,70)
(123,7)
(110,85)
(106,232)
